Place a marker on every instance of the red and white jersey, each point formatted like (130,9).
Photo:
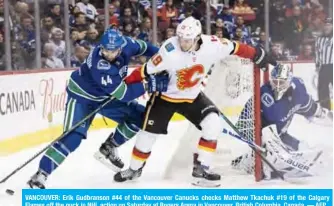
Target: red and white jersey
(187,69)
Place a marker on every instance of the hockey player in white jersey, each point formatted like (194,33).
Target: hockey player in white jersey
(187,58)
(281,98)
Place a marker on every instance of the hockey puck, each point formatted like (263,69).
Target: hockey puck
(10,192)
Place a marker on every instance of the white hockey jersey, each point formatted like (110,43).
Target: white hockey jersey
(187,69)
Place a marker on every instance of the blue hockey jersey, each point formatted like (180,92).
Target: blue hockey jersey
(98,79)
(280,112)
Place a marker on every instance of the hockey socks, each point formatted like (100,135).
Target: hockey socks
(140,153)
(58,152)
(142,149)
(123,133)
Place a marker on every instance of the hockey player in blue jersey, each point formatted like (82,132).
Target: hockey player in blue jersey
(281,98)
(103,75)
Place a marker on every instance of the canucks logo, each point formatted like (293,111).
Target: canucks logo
(103,65)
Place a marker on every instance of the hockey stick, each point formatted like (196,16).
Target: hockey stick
(257,149)
(54,141)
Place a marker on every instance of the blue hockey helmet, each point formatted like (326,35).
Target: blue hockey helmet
(280,80)
(112,40)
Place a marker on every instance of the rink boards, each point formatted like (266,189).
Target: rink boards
(32,106)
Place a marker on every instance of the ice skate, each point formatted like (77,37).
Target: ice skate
(38,180)
(128,174)
(202,176)
(108,155)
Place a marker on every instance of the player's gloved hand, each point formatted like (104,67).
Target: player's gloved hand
(157,83)
(262,59)
(323,113)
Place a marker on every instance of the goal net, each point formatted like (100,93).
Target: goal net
(232,83)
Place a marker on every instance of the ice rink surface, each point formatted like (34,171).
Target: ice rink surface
(81,170)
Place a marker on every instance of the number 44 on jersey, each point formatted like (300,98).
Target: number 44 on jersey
(105,80)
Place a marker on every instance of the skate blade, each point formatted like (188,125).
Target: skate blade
(31,186)
(100,157)
(200,182)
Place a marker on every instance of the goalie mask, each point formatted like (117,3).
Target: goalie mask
(281,77)
(189,32)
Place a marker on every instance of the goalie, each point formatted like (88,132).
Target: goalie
(281,98)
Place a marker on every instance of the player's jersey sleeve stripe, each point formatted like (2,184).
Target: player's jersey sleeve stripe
(143,72)
(76,89)
(307,106)
(120,91)
(236,47)
(143,47)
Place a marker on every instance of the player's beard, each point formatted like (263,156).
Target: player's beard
(111,57)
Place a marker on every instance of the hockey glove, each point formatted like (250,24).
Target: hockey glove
(262,59)
(157,83)
(323,113)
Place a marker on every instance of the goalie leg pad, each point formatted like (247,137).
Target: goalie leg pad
(290,141)
(285,160)
(244,163)
(142,149)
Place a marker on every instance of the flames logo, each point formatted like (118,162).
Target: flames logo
(185,76)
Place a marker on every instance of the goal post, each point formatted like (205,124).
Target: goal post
(257,123)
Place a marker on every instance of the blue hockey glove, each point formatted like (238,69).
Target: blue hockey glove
(157,83)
